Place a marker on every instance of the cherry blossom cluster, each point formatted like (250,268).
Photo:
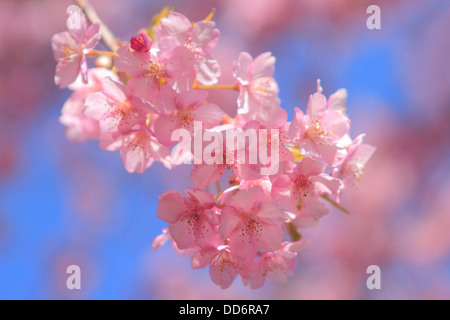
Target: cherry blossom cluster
(157,83)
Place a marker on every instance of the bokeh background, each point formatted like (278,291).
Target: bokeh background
(63,203)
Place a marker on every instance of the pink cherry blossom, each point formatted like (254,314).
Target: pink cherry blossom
(200,38)
(180,111)
(276,265)
(136,105)
(252,222)
(318,131)
(224,268)
(299,188)
(79,127)
(206,174)
(351,168)
(274,118)
(116,109)
(149,71)
(258,88)
(70,49)
(190,220)
(138,148)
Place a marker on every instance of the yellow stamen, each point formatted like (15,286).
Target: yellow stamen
(210,15)
(148,121)
(335,204)
(296,153)
(216,87)
(96,53)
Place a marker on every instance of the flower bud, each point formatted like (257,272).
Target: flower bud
(141,43)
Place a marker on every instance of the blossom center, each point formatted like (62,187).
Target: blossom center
(266,88)
(155,69)
(251,227)
(303,184)
(317,132)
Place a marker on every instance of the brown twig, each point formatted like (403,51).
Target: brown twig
(335,204)
(107,36)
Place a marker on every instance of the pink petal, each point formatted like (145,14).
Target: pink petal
(336,102)
(96,105)
(246,199)
(175,25)
(202,258)
(114,90)
(92,36)
(244,244)
(204,36)
(164,127)
(171,205)
(181,234)
(182,62)
(328,185)
(191,98)
(241,69)
(264,65)
(210,114)
(135,157)
(143,87)
(208,70)
(205,175)
(283,193)
(316,106)
(132,63)
(223,272)
(337,123)
(230,219)
(203,197)
(310,167)
(67,72)
(271,214)
(297,128)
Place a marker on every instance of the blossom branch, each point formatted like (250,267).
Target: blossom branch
(335,204)
(217,87)
(107,36)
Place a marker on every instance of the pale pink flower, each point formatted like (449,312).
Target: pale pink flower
(355,159)
(161,239)
(224,268)
(275,118)
(252,223)
(70,49)
(276,265)
(79,127)
(138,148)
(337,100)
(149,71)
(200,38)
(180,111)
(206,174)
(299,188)
(258,88)
(116,109)
(190,220)
(318,131)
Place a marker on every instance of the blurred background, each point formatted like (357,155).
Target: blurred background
(63,203)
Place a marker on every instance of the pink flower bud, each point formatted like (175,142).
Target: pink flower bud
(141,43)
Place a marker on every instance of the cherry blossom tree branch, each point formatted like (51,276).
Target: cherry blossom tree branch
(107,36)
